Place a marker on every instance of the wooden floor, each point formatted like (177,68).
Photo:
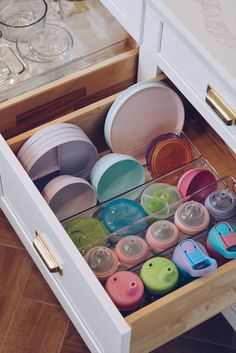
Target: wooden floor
(31,319)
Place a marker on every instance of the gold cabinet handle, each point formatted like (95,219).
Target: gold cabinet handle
(46,255)
(222,109)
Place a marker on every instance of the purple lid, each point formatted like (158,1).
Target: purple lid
(221,204)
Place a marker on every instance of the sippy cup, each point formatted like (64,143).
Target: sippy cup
(86,232)
(191,217)
(221,204)
(192,260)
(221,242)
(126,290)
(162,235)
(103,261)
(159,275)
(131,250)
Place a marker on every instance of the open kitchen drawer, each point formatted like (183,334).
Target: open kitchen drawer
(82,296)
(70,87)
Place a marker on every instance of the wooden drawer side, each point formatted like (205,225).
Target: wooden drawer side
(183,309)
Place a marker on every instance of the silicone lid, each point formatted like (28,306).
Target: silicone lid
(162,235)
(125,289)
(86,232)
(68,195)
(103,261)
(169,155)
(151,146)
(121,213)
(200,181)
(149,115)
(159,275)
(221,204)
(158,197)
(191,217)
(131,250)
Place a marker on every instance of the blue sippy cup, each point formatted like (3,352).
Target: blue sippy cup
(221,242)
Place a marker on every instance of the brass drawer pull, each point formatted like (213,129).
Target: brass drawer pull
(46,255)
(223,110)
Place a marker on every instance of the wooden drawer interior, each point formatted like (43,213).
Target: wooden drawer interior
(177,312)
(69,93)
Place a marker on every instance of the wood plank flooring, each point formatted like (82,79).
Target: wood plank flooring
(32,320)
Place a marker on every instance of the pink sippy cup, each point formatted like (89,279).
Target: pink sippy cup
(103,261)
(131,250)
(191,217)
(126,290)
(162,235)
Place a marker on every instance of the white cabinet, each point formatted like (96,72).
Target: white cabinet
(194,43)
(129,13)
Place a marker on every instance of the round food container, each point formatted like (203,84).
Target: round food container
(139,114)
(191,217)
(126,290)
(159,275)
(68,195)
(123,217)
(160,200)
(86,232)
(131,250)
(198,181)
(103,261)
(162,235)
(115,174)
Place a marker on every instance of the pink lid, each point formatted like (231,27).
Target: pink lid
(162,235)
(131,250)
(125,289)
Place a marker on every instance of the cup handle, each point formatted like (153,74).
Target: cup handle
(24,67)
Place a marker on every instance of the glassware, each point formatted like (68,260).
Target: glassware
(52,43)
(18,17)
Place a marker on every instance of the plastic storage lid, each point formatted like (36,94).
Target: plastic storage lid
(221,204)
(139,114)
(68,195)
(125,289)
(162,235)
(160,196)
(103,261)
(169,155)
(122,213)
(131,250)
(192,217)
(86,232)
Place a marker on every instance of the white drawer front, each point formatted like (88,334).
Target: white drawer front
(176,52)
(128,13)
(82,296)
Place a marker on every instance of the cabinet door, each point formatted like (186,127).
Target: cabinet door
(128,13)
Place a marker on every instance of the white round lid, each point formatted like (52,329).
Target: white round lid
(142,112)
(68,195)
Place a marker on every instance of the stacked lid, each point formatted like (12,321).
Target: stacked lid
(139,114)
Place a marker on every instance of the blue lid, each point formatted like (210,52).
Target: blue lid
(123,213)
